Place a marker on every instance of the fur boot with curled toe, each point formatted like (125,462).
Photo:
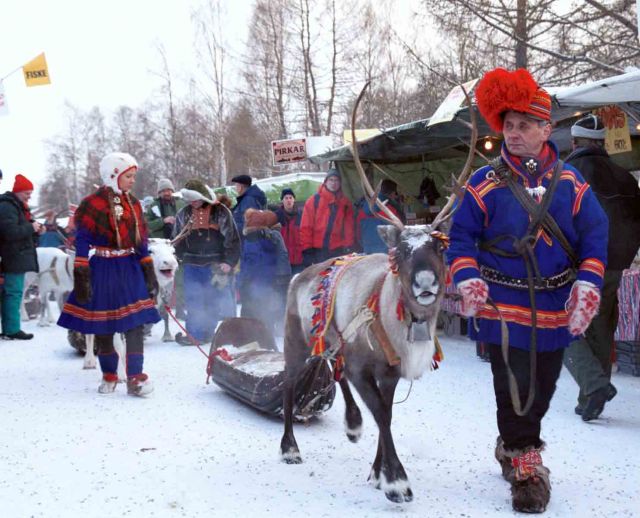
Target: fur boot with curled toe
(529,478)
(505,459)
(531,489)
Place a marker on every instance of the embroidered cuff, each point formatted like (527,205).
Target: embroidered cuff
(463,268)
(591,270)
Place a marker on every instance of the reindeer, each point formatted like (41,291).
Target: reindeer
(55,276)
(377,350)
(165,265)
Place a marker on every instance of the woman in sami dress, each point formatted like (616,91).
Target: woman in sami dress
(115,287)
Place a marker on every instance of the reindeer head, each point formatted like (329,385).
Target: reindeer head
(417,252)
(164,260)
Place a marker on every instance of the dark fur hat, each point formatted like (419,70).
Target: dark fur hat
(258,219)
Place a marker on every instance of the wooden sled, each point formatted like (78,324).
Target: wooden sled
(250,368)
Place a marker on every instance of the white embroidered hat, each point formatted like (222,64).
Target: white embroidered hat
(112,166)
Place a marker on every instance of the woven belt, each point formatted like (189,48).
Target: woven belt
(546,283)
(113,252)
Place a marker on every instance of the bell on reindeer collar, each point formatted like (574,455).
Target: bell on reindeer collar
(418,331)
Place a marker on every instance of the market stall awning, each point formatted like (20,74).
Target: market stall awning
(421,141)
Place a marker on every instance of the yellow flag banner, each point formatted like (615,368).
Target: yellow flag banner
(36,72)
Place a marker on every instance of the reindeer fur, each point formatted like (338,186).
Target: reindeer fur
(420,279)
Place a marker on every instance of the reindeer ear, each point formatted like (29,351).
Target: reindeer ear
(389,234)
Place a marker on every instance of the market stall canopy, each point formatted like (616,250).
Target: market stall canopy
(303,184)
(421,141)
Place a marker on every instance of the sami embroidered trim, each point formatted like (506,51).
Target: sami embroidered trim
(578,201)
(593,266)
(480,203)
(113,252)
(460,263)
(323,300)
(522,316)
(111,314)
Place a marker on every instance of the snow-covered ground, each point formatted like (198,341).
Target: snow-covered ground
(191,450)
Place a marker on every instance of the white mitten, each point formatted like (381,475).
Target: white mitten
(582,306)
(474,294)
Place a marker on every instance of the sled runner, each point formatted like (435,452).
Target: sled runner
(246,363)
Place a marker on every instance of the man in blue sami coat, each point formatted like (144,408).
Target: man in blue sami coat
(531,235)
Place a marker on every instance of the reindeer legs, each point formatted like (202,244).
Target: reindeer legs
(377,392)
(295,354)
(288,445)
(352,415)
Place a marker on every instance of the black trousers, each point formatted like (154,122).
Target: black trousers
(133,338)
(516,431)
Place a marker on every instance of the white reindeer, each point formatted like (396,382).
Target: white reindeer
(55,276)
(165,265)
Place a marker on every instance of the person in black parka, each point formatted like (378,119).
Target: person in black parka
(589,358)
(18,241)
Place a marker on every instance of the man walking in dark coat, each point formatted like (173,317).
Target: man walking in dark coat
(18,240)
(249,197)
(589,358)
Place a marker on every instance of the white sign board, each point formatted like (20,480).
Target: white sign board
(450,106)
(4,109)
(288,151)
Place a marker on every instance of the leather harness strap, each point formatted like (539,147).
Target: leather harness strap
(524,247)
(378,329)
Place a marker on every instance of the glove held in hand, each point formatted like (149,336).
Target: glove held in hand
(474,295)
(150,279)
(82,284)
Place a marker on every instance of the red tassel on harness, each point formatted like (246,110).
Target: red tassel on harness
(400,309)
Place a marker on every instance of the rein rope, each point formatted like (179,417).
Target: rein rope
(218,352)
(524,248)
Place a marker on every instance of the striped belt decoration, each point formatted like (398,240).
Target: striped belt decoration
(546,283)
(113,252)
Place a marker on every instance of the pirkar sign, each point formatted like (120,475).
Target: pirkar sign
(287,151)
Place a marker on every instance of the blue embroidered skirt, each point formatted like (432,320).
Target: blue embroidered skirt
(119,301)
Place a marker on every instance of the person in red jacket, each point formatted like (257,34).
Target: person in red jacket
(289,217)
(326,229)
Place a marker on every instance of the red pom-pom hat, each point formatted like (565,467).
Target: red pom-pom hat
(500,91)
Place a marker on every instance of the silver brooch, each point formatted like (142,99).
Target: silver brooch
(118,211)
(116,199)
(531,165)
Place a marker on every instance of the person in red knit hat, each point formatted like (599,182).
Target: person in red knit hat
(18,240)
(528,252)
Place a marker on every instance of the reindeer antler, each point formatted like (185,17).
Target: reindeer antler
(458,183)
(370,194)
